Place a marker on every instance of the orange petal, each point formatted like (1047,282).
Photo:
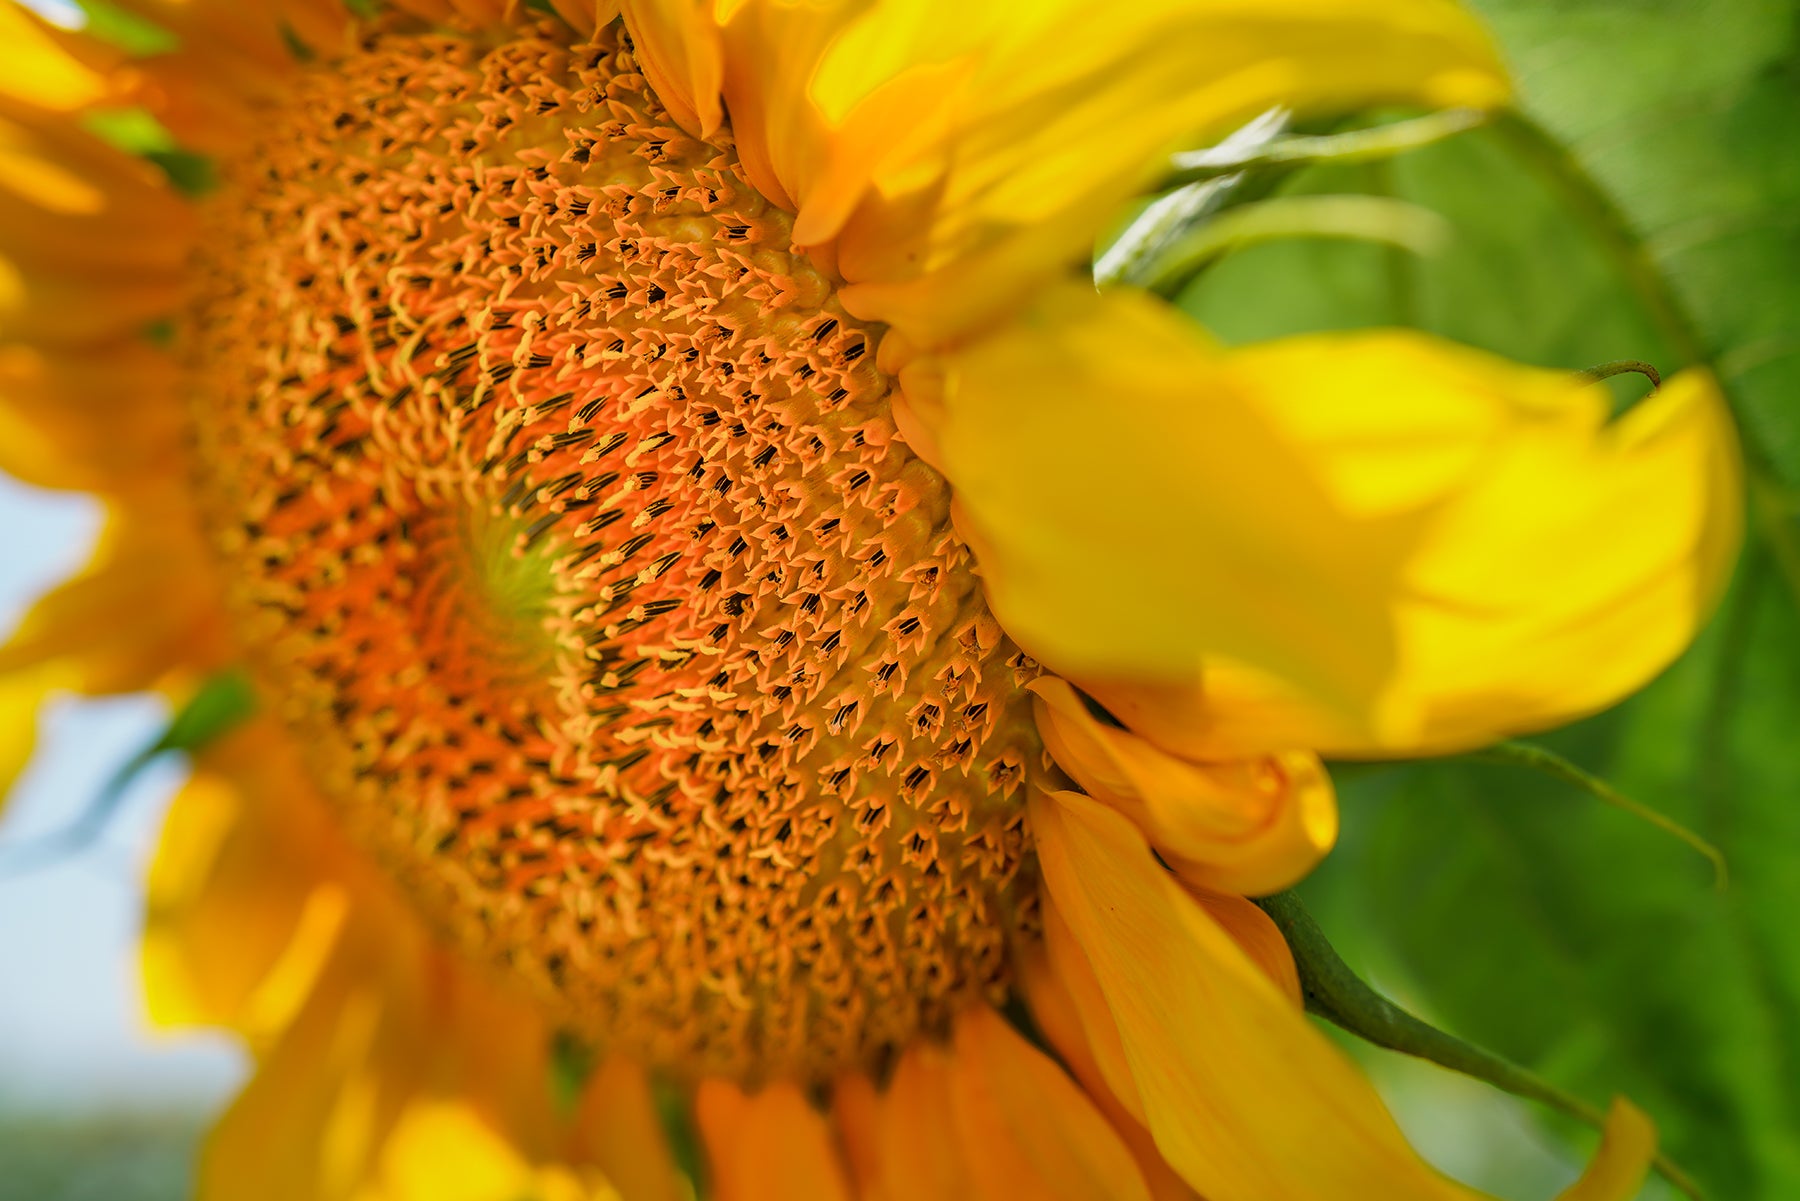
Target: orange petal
(768,1146)
(1255,932)
(678,47)
(617,1129)
(904,1140)
(1028,1132)
(1054,1013)
(586,16)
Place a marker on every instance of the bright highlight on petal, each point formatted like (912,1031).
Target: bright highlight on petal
(953,156)
(36,69)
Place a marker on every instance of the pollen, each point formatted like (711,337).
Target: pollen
(571,535)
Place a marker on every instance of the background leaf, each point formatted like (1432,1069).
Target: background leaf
(1659,220)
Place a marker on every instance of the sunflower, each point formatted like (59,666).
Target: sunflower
(741,628)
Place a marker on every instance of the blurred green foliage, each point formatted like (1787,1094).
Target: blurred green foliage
(1648,208)
(98,1157)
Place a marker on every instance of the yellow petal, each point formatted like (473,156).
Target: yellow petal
(1250,827)
(442,1151)
(1246,1098)
(768,1146)
(1028,1132)
(62,423)
(1145,510)
(1256,933)
(585,16)
(144,610)
(21,696)
(36,69)
(962,154)
(239,918)
(1567,559)
(312,1120)
(1074,975)
(1054,1013)
(1372,543)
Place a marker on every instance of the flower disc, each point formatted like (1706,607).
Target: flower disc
(571,534)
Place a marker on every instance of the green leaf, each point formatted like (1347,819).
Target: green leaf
(1686,113)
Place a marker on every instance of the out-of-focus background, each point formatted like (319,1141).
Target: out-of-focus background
(93,1104)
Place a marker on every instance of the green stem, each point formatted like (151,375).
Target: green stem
(1341,997)
(1542,759)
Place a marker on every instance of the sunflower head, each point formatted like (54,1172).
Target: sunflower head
(568,524)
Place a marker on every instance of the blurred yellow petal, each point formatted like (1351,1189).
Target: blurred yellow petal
(962,154)
(312,1120)
(585,16)
(62,424)
(442,1150)
(141,613)
(21,695)
(768,1146)
(1245,1097)
(1250,827)
(238,923)
(36,69)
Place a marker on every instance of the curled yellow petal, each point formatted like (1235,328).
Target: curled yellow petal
(1623,1160)
(1249,827)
